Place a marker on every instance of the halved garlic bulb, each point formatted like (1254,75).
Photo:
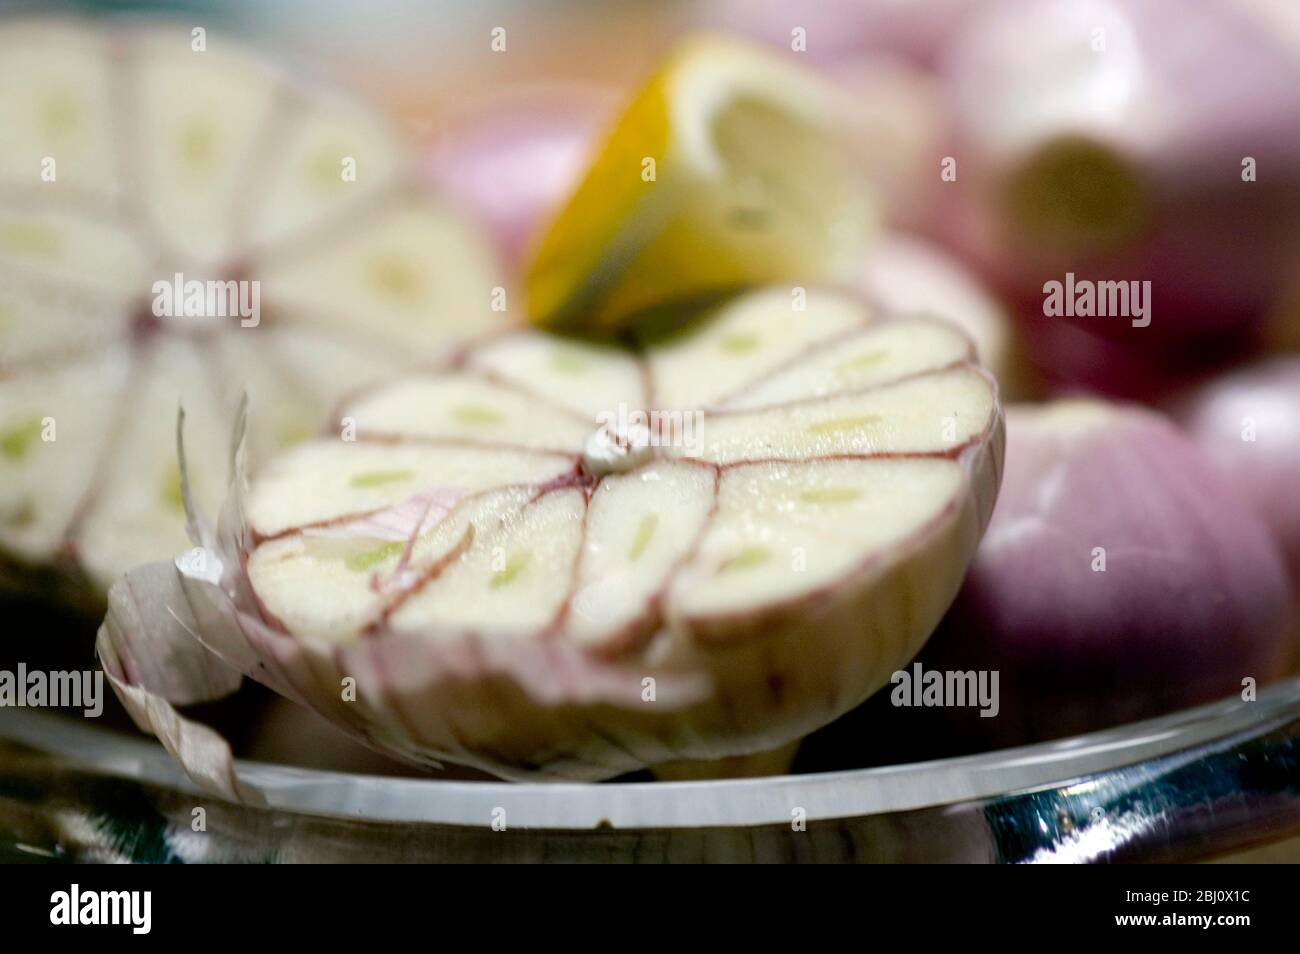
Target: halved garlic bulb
(470,576)
(180,223)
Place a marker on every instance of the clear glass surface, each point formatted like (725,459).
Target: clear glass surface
(1204,782)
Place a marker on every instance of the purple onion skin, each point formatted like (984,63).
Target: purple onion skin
(1193,600)
(1260,401)
(509,162)
(1064,360)
(1149,137)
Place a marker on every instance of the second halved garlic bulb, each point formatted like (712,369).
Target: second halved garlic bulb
(180,223)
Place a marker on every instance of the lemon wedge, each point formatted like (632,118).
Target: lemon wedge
(726,170)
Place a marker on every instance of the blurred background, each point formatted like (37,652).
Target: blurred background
(1010,142)
(1098,137)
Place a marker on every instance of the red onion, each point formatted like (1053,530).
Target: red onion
(1193,598)
(1249,423)
(1108,140)
(1063,359)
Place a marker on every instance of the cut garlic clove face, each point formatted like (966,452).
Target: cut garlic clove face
(587,379)
(640,527)
(56,102)
(783,530)
(55,432)
(790,539)
(746,341)
(307,183)
(201,118)
(506,582)
(133,163)
(332,481)
(871,356)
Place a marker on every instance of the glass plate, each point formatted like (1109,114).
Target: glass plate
(1199,783)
